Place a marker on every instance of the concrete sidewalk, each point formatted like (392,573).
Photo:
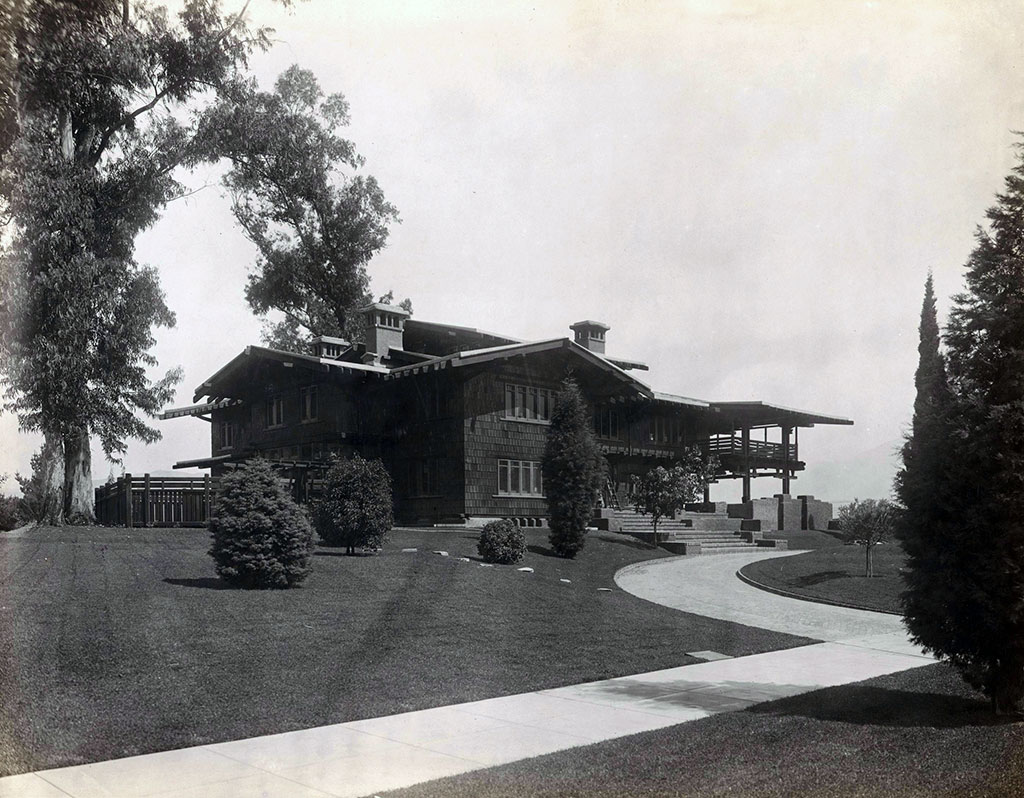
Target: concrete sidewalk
(371,756)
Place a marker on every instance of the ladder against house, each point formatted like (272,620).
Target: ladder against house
(610,496)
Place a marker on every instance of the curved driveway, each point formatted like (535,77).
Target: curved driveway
(708,585)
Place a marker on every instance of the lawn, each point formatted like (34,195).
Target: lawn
(919,732)
(836,573)
(116,642)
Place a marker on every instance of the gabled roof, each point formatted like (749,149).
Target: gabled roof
(476,356)
(254,353)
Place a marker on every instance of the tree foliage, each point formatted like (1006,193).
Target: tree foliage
(661,492)
(573,469)
(867,523)
(261,538)
(97,125)
(965,574)
(355,508)
(299,197)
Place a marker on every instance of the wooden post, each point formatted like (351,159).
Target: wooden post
(147,510)
(206,498)
(786,432)
(128,521)
(745,433)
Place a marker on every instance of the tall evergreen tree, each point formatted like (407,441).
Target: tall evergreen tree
(573,469)
(965,584)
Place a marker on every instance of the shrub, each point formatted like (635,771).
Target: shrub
(355,506)
(261,538)
(574,469)
(10,517)
(501,542)
(42,492)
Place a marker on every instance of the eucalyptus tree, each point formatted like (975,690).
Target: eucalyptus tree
(102,104)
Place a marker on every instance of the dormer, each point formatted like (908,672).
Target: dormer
(385,326)
(328,347)
(590,335)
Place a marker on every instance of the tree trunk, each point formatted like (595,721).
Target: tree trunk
(1007,684)
(868,569)
(79,495)
(51,501)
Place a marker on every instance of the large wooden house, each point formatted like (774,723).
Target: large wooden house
(459,416)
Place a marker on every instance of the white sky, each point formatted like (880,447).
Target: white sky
(749,193)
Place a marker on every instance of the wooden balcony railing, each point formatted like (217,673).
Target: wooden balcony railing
(733,444)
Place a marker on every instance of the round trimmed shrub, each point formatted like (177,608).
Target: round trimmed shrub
(355,506)
(261,538)
(501,542)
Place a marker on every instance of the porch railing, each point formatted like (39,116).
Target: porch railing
(733,444)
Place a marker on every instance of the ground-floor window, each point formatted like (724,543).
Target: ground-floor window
(520,478)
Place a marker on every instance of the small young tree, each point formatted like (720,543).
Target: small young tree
(662,491)
(261,538)
(867,523)
(573,469)
(355,507)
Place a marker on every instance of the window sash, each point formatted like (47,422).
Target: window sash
(531,404)
(520,478)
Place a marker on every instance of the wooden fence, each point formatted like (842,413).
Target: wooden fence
(179,501)
(155,501)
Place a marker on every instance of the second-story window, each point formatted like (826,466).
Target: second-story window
(606,423)
(532,404)
(227,435)
(275,411)
(308,403)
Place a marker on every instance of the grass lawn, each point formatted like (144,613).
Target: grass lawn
(837,573)
(116,642)
(920,732)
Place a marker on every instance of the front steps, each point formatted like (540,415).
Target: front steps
(689,532)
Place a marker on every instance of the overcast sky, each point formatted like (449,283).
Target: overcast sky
(750,194)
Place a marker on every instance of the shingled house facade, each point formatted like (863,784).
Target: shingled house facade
(459,416)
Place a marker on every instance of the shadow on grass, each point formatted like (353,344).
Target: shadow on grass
(205,582)
(342,553)
(866,705)
(543,551)
(628,541)
(818,578)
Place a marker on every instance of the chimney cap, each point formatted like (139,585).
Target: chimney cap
(400,311)
(589,324)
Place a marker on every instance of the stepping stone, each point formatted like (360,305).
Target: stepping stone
(406,551)
(463,559)
(708,656)
(526,570)
(486,565)
(442,553)
(568,582)
(604,590)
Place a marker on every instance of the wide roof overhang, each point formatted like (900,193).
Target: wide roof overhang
(218,386)
(764,414)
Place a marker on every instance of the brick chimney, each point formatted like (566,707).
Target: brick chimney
(590,334)
(385,325)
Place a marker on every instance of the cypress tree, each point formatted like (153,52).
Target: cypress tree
(573,468)
(964,471)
